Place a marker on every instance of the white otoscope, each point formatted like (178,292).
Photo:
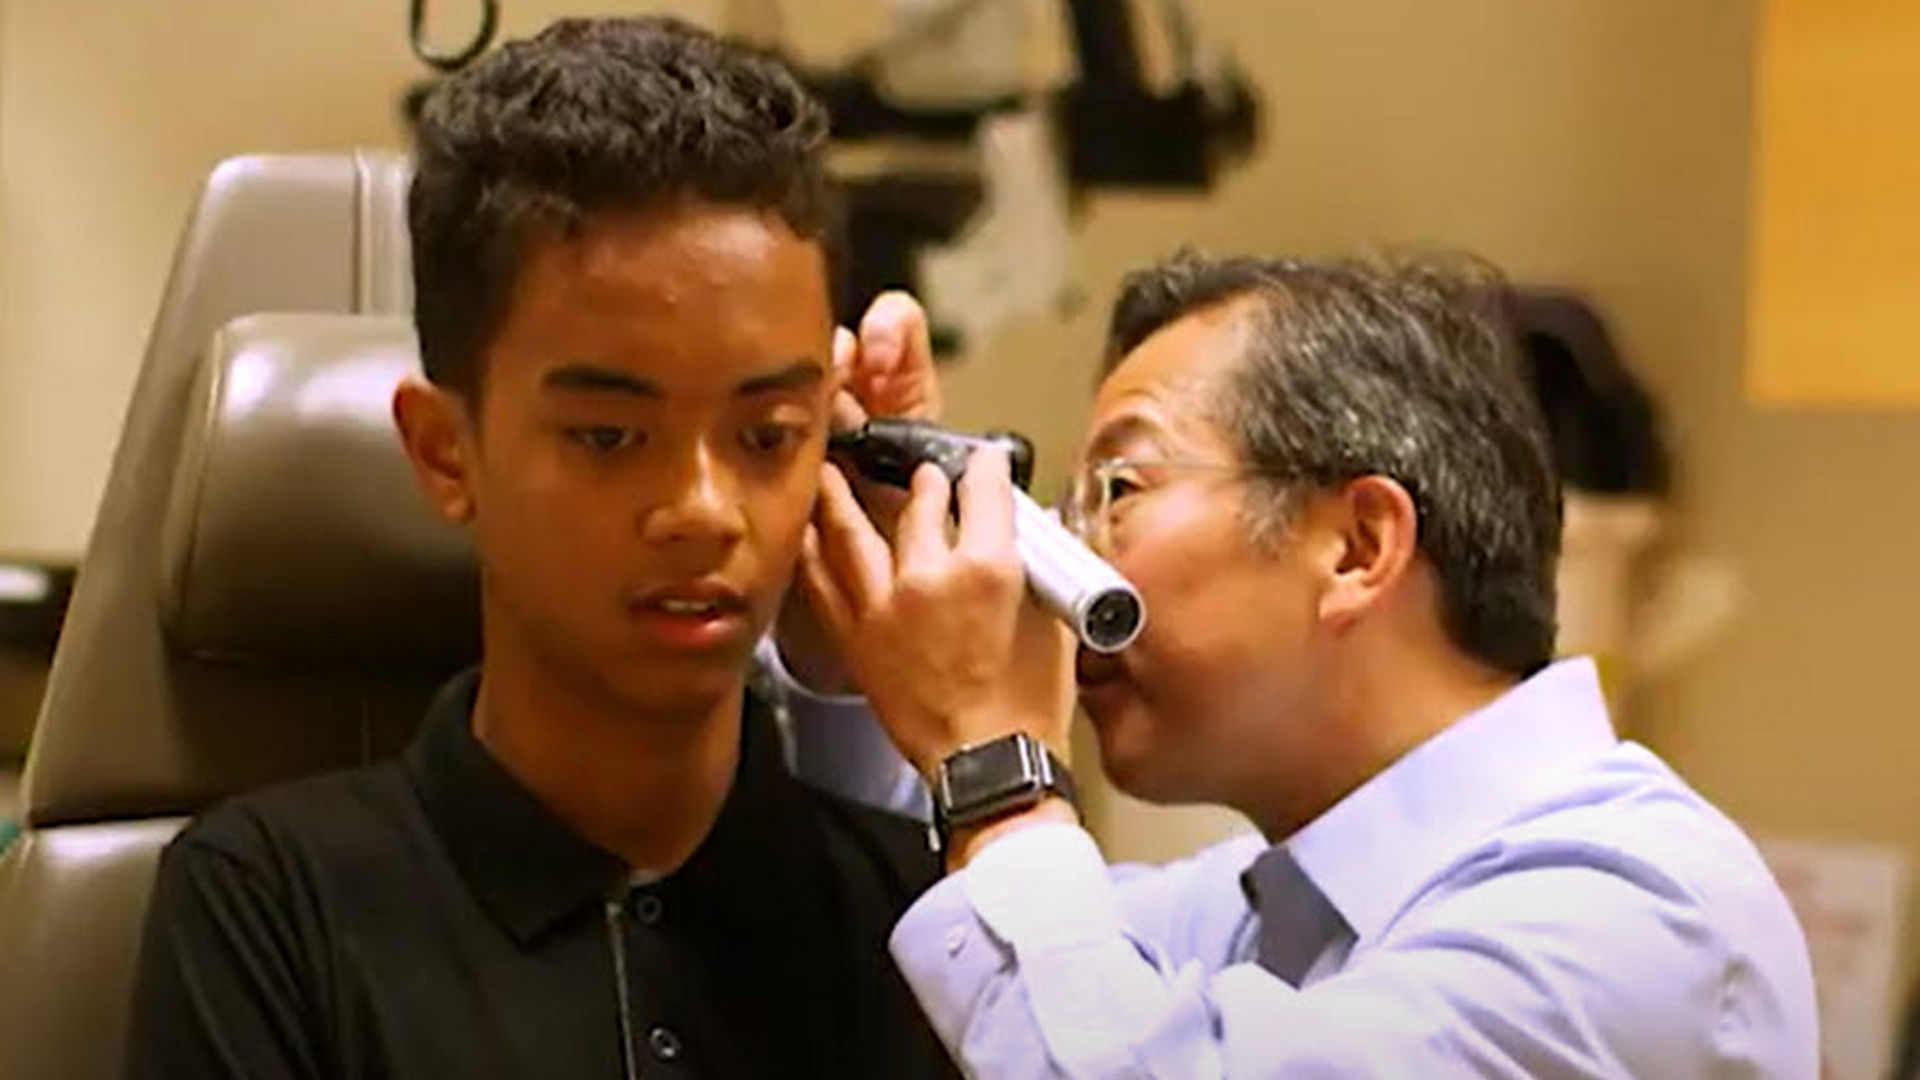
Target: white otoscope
(1105,612)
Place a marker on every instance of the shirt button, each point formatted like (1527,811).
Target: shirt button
(664,1043)
(648,909)
(956,940)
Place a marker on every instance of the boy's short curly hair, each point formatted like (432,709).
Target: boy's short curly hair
(591,116)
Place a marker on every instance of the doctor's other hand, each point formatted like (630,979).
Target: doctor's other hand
(884,369)
(937,627)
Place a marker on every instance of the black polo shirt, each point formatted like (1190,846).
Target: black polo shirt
(428,918)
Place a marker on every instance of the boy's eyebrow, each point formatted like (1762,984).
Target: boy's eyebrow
(799,375)
(595,379)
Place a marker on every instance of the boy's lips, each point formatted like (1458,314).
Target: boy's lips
(691,615)
(693,596)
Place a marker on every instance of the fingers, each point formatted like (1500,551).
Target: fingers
(844,410)
(828,604)
(851,552)
(920,537)
(893,373)
(846,353)
(986,506)
(891,332)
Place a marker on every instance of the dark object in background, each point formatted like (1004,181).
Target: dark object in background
(33,602)
(1118,132)
(1603,424)
(454,60)
(890,217)
(1906,1061)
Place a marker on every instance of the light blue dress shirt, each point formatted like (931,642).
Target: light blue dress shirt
(1523,895)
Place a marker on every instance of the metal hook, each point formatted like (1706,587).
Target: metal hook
(451,61)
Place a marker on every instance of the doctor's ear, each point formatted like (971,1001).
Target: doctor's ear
(1371,533)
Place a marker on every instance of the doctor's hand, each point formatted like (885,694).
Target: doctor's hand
(885,368)
(937,627)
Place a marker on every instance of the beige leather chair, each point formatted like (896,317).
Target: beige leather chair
(264,595)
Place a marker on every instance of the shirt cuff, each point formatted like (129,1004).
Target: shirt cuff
(948,958)
(1044,886)
(1036,888)
(1025,950)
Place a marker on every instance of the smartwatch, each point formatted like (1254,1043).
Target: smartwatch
(991,780)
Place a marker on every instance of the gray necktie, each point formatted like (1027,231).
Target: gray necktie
(1297,923)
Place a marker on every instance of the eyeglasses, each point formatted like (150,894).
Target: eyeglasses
(1086,507)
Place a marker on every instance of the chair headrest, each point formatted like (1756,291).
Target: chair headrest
(294,532)
(133,723)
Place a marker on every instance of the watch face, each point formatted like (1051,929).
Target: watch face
(989,774)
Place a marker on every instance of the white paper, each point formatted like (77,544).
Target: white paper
(1013,261)
(955,53)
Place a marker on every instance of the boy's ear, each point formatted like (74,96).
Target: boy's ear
(432,422)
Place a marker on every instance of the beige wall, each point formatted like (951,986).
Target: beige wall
(1598,143)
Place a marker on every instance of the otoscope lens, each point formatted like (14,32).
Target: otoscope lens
(1113,621)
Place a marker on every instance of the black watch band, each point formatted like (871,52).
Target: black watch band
(982,783)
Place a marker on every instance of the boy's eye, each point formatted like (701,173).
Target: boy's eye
(771,437)
(603,439)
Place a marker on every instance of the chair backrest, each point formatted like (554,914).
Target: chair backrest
(263,596)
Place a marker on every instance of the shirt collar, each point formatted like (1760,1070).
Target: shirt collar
(1373,848)
(529,868)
